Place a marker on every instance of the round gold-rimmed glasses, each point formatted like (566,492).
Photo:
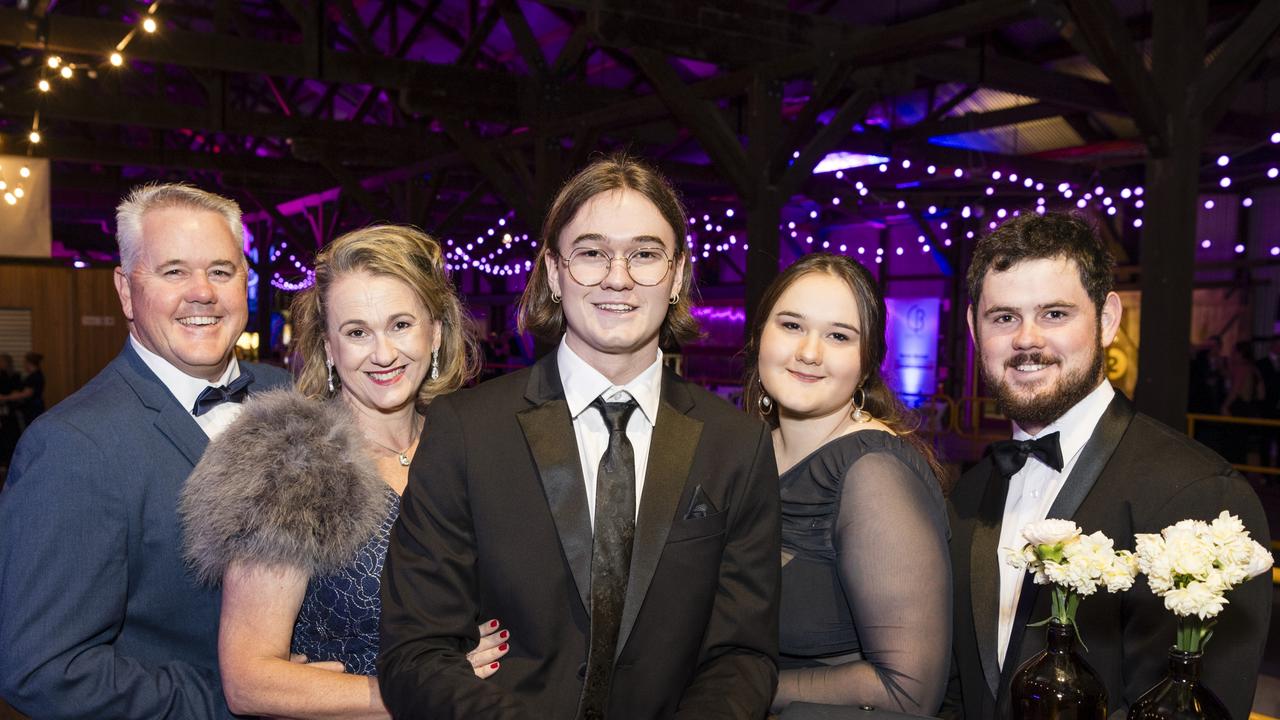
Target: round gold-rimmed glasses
(590,266)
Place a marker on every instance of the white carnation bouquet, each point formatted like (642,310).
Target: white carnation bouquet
(1075,564)
(1192,564)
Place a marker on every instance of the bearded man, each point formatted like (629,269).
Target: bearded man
(1042,311)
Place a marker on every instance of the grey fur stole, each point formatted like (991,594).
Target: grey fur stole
(289,483)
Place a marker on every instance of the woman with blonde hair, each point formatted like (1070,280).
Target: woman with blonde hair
(291,508)
(865,613)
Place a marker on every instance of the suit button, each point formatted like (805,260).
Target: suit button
(582,671)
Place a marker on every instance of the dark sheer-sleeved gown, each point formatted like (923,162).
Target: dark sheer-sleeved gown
(866,577)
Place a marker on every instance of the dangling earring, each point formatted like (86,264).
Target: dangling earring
(329,364)
(673,299)
(859,415)
(555,297)
(435,364)
(765,403)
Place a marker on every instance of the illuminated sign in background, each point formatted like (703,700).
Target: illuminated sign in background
(911,363)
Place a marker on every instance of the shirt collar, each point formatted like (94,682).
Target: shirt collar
(583,384)
(184,388)
(1076,424)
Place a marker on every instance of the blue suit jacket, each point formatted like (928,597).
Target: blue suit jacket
(98,616)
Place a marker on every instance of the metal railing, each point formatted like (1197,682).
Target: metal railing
(1193,418)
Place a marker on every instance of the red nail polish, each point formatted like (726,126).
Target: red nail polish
(493,666)
(493,623)
(502,647)
(503,634)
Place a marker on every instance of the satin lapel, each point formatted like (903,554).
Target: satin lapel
(984,574)
(671,451)
(1094,457)
(172,420)
(549,432)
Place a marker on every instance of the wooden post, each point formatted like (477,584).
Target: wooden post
(1168,233)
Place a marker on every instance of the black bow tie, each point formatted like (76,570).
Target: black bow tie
(1010,455)
(211,397)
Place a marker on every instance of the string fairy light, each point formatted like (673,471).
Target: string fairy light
(55,66)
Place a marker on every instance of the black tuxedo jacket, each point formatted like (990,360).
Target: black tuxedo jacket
(1134,475)
(494,524)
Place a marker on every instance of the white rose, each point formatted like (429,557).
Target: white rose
(1014,557)
(1093,544)
(1050,532)
(1260,562)
(1159,574)
(1218,581)
(1148,547)
(1120,573)
(1189,552)
(1235,550)
(1192,526)
(1195,599)
(1226,527)
(1057,573)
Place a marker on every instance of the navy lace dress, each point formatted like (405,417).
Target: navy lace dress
(339,616)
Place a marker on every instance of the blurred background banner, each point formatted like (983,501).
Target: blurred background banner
(24,207)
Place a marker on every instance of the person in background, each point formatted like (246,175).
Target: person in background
(291,508)
(1246,390)
(98,616)
(28,397)
(1269,368)
(9,381)
(859,626)
(1042,311)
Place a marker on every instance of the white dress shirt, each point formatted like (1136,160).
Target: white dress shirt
(1033,489)
(185,389)
(582,385)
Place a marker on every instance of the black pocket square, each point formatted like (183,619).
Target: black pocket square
(700,506)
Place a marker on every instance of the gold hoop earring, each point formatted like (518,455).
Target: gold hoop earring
(859,415)
(673,299)
(555,298)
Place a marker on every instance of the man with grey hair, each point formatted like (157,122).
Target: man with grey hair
(98,617)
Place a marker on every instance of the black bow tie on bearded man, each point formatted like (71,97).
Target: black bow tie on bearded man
(1010,455)
(235,391)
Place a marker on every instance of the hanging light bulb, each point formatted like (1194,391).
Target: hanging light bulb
(34,137)
(9,198)
(24,171)
(117,59)
(18,192)
(149,25)
(54,61)
(43,85)
(65,72)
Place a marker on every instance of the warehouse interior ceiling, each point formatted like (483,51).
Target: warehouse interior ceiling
(463,116)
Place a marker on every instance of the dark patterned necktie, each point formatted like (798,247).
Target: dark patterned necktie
(234,391)
(615,526)
(1010,455)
